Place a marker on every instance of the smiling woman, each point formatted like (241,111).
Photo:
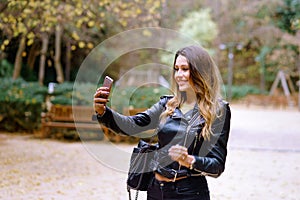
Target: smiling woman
(182,78)
(192,127)
(182,73)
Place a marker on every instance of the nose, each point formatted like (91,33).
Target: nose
(179,72)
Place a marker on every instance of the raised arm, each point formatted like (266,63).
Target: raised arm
(131,125)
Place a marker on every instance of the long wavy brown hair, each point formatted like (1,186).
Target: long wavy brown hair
(205,80)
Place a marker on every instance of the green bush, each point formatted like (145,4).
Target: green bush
(21,104)
(82,94)
(142,97)
(62,94)
(68,93)
(241,91)
(6,68)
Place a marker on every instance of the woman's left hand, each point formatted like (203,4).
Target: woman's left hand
(180,154)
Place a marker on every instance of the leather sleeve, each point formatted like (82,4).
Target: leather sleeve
(212,155)
(131,125)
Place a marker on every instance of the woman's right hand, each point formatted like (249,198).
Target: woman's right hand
(100,99)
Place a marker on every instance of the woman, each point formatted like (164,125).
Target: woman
(192,128)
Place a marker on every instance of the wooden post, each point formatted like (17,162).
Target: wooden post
(282,77)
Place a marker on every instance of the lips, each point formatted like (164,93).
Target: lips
(182,82)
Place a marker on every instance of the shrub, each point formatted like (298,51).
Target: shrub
(241,91)
(6,68)
(21,104)
(142,97)
(68,93)
(82,94)
(62,94)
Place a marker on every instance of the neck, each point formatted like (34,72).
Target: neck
(190,98)
(186,106)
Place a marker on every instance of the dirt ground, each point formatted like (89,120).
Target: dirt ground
(263,163)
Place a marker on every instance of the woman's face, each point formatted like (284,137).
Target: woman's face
(182,74)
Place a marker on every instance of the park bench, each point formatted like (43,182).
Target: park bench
(62,116)
(117,138)
(69,117)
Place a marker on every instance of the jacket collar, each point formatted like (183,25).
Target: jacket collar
(196,112)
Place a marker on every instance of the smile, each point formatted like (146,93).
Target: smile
(182,82)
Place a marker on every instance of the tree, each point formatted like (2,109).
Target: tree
(287,16)
(252,23)
(78,24)
(198,26)
(13,25)
(27,20)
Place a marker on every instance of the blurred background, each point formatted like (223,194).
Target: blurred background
(43,44)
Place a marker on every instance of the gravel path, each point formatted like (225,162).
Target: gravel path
(263,163)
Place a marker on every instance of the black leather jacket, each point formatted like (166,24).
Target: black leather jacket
(210,154)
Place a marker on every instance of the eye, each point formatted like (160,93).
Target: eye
(176,68)
(185,68)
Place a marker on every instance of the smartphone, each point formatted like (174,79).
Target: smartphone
(108,82)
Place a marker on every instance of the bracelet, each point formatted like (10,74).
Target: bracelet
(192,164)
(98,115)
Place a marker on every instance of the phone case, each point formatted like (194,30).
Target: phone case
(108,82)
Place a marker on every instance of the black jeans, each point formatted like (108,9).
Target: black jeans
(192,188)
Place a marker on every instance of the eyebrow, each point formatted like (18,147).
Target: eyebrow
(184,65)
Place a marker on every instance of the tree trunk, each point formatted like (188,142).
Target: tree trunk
(45,41)
(68,60)
(33,53)
(263,76)
(57,63)
(18,59)
(298,64)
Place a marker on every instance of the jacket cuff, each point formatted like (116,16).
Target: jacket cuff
(97,117)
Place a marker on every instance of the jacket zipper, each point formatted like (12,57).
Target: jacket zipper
(185,138)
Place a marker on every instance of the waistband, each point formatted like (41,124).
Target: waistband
(161,178)
(199,182)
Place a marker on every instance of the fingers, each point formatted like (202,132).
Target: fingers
(101,93)
(103,88)
(99,106)
(178,153)
(100,99)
